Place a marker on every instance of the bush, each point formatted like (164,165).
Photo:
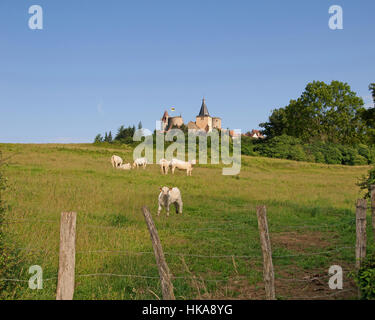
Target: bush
(366,152)
(359,160)
(366,182)
(332,154)
(247,146)
(365,278)
(284,147)
(319,157)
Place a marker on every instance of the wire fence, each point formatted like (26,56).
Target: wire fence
(256,255)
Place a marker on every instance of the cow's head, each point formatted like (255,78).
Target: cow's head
(165,191)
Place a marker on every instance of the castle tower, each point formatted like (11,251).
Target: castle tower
(204,110)
(164,121)
(168,122)
(203,119)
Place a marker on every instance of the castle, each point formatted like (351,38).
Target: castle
(203,121)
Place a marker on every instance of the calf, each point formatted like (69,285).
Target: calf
(140,162)
(116,161)
(126,166)
(170,196)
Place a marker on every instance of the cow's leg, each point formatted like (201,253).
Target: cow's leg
(159,209)
(168,209)
(179,206)
(176,207)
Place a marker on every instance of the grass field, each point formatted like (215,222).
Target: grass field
(310,209)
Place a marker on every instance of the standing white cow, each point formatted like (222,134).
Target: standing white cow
(140,162)
(116,161)
(125,166)
(164,166)
(169,196)
(182,165)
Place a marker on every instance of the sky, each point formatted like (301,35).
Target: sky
(97,65)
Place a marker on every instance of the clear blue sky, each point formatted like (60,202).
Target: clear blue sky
(99,64)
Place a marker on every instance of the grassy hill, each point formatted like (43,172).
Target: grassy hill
(310,209)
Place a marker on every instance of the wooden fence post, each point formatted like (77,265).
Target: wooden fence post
(360,247)
(372,192)
(164,273)
(65,282)
(268,274)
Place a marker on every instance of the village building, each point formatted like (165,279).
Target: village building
(256,134)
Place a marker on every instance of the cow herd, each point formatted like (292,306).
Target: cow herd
(167,196)
(174,164)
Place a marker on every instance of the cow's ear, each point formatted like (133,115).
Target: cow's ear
(160,188)
(170,189)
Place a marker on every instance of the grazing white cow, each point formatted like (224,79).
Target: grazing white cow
(170,196)
(140,162)
(182,165)
(125,166)
(164,166)
(116,161)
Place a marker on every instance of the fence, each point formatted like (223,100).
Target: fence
(67,253)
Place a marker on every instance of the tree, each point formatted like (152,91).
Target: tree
(277,124)
(98,138)
(324,112)
(140,125)
(368,116)
(109,139)
(371,87)
(125,135)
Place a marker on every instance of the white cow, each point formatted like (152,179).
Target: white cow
(182,165)
(170,196)
(116,161)
(164,166)
(125,166)
(140,162)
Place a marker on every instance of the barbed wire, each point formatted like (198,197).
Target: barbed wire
(23,280)
(237,277)
(134,276)
(29,221)
(221,228)
(217,256)
(188,278)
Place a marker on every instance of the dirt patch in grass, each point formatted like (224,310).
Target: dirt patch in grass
(292,285)
(298,242)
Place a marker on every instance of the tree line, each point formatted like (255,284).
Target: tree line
(328,123)
(123,135)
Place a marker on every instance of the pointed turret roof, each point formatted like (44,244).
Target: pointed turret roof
(204,110)
(165,116)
